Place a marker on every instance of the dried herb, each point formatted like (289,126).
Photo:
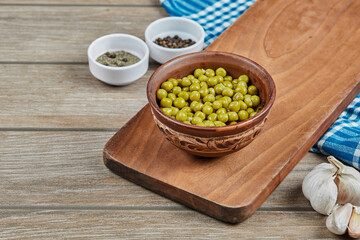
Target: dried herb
(174,42)
(117,59)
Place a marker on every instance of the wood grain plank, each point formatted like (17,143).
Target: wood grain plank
(63,33)
(66,96)
(22,224)
(65,169)
(81,2)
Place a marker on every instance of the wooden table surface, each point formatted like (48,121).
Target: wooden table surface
(55,119)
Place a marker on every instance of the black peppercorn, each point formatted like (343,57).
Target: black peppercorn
(174,42)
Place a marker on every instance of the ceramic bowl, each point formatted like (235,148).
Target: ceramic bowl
(171,26)
(211,141)
(118,76)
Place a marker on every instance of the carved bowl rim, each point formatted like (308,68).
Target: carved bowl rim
(154,83)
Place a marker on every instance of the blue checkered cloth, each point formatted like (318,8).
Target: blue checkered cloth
(342,139)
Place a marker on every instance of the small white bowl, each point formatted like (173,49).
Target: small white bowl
(171,26)
(118,75)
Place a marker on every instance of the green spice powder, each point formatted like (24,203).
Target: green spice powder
(117,59)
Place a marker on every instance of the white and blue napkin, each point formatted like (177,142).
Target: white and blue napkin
(341,140)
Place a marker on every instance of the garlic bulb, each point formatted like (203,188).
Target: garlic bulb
(329,184)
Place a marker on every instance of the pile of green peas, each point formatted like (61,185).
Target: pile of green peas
(209,98)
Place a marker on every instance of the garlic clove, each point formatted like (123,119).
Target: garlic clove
(354,224)
(348,182)
(324,198)
(337,222)
(349,189)
(314,178)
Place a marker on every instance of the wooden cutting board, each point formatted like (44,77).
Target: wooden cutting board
(311,49)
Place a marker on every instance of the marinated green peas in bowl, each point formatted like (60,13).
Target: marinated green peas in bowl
(209,97)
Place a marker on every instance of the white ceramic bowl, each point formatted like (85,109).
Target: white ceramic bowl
(171,26)
(118,75)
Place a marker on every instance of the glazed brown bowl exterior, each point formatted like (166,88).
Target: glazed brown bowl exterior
(211,141)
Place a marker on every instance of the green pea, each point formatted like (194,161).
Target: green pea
(252,114)
(195,96)
(203,78)
(243,105)
(219,88)
(195,80)
(172,96)
(161,93)
(165,102)
(167,86)
(252,90)
(196,120)
(167,111)
(234,106)
(176,90)
(186,109)
(179,102)
(238,96)
(228,84)
(242,83)
(217,97)
(186,89)
(185,82)
(204,92)
(195,87)
(221,72)
(209,98)
(212,81)
(220,79)
(250,110)
(232,123)
(244,78)
(212,117)
(203,85)
(217,105)
(209,123)
(198,72)
(255,99)
(219,124)
(208,104)
(198,107)
(207,109)
(173,81)
(221,110)
(241,89)
(209,72)
(187,122)
(223,117)
(243,115)
(248,102)
(212,91)
(174,111)
(233,116)
(184,95)
(200,115)
(227,92)
(181,116)
(201,124)
(191,77)
(228,78)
